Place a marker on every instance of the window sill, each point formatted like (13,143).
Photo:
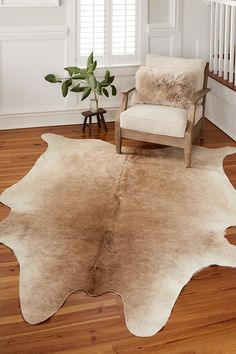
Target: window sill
(118,70)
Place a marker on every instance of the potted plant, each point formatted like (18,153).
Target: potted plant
(85,82)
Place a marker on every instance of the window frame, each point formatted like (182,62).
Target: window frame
(142,40)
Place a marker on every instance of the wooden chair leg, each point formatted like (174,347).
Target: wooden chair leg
(118,137)
(119,146)
(90,126)
(202,137)
(188,155)
(188,150)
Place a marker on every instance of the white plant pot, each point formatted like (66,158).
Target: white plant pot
(93,105)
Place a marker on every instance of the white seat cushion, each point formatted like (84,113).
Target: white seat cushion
(154,119)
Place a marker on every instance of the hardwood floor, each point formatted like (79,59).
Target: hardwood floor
(203,320)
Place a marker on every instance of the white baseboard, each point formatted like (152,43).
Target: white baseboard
(45,119)
(221,106)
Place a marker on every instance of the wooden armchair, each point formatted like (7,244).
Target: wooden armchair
(190,122)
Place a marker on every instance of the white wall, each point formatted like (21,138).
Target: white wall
(195,29)
(165,27)
(40,40)
(33,16)
(221,102)
(36,41)
(158,11)
(221,108)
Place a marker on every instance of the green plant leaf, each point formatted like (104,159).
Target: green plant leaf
(52,78)
(104,83)
(65,86)
(78,88)
(92,81)
(113,90)
(105,92)
(69,82)
(64,89)
(92,67)
(107,76)
(73,70)
(90,60)
(99,88)
(86,93)
(79,77)
(111,79)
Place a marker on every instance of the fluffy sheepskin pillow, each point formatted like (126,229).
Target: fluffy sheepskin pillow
(164,88)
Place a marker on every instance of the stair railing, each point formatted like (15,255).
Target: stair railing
(222,61)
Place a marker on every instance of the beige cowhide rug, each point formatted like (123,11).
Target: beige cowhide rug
(138,224)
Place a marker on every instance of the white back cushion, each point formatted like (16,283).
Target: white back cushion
(178,65)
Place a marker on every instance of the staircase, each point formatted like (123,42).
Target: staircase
(222,61)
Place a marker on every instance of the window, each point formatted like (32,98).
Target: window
(111,29)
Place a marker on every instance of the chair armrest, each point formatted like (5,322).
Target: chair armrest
(199,95)
(193,106)
(124,103)
(128,90)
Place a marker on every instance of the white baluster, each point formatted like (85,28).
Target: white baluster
(211,61)
(216,38)
(221,40)
(232,45)
(226,44)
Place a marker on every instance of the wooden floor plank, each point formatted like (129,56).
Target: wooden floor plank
(203,320)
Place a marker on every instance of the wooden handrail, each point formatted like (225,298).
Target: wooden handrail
(222,81)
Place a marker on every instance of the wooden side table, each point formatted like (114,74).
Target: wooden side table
(100,119)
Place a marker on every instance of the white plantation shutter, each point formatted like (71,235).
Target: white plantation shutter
(109,28)
(125,27)
(92,29)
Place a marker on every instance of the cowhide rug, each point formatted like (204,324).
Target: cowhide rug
(138,224)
